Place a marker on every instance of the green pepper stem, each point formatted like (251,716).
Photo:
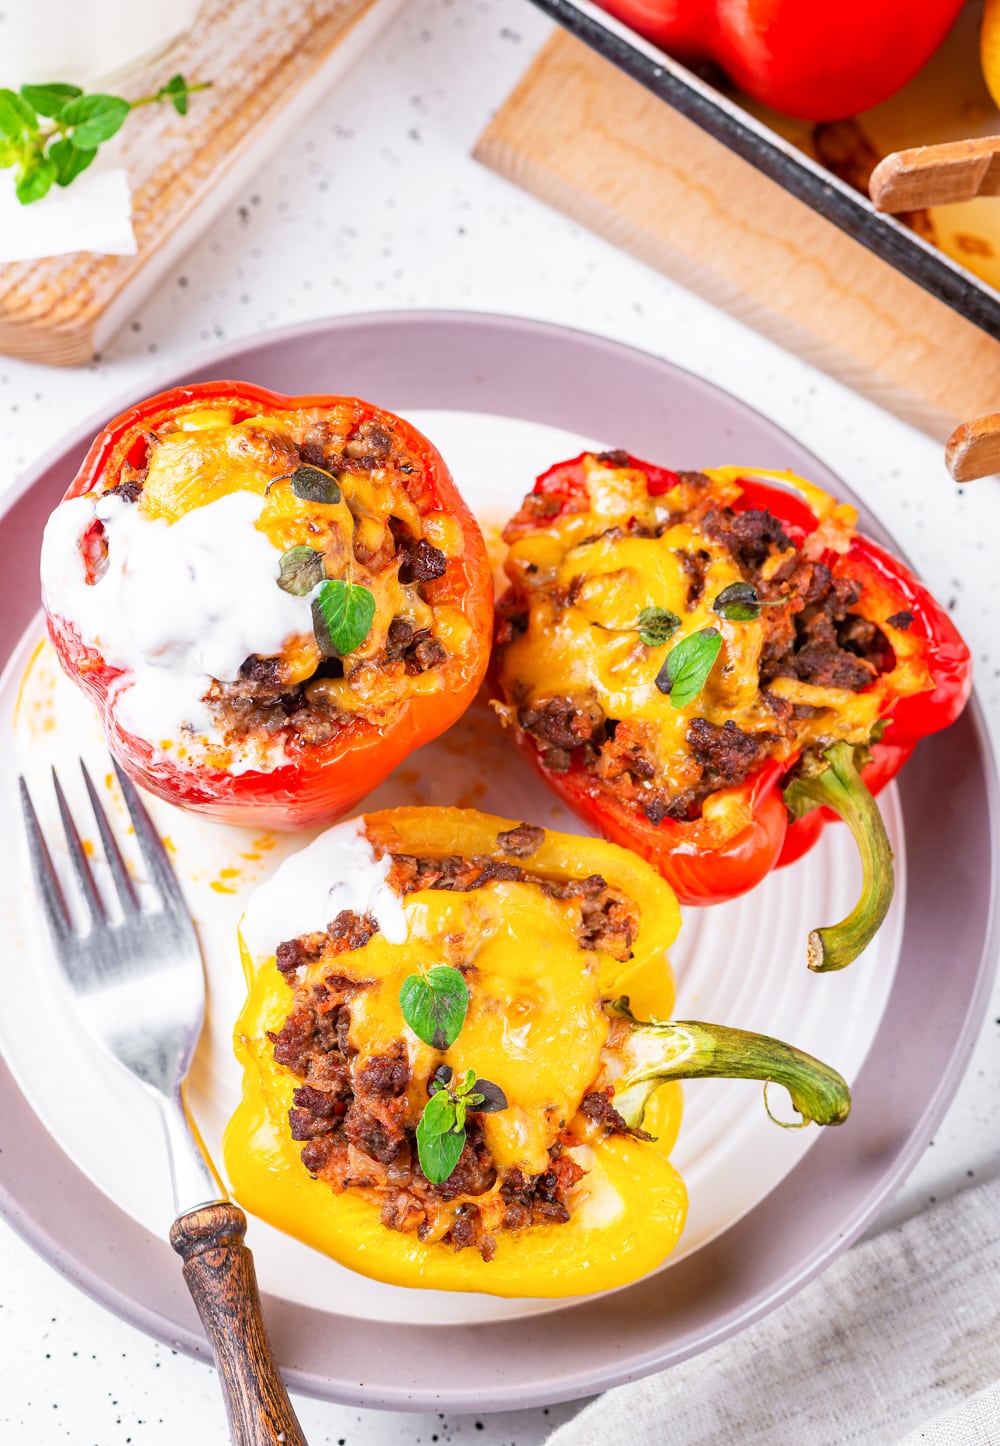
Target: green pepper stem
(840,786)
(680,1049)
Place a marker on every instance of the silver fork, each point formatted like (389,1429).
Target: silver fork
(139,987)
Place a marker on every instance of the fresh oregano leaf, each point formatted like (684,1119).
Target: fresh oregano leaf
(488,1098)
(16,115)
(300,570)
(657,626)
(343,613)
(94,118)
(481,1095)
(35,179)
(441,1129)
(312,485)
(688,665)
(439,1114)
(439,1148)
(176,91)
(738,603)
(434,1005)
(61,146)
(49,100)
(69,160)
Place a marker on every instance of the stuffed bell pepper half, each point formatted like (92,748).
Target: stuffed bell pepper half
(271,599)
(704,665)
(446,1084)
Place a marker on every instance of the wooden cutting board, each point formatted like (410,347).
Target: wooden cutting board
(269,61)
(590,141)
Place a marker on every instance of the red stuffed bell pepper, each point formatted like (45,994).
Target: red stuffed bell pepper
(271,599)
(818,61)
(691,659)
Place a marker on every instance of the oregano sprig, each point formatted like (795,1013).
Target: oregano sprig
(435,1004)
(312,484)
(740,602)
(687,666)
(342,614)
(655,626)
(441,1129)
(51,133)
(300,569)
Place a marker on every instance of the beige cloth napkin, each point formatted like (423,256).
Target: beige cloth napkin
(901,1329)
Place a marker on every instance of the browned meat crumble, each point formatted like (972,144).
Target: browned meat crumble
(608,921)
(354,1124)
(353,1120)
(811,635)
(262,700)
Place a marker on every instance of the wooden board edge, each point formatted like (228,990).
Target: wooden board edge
(75,339)
(492,151)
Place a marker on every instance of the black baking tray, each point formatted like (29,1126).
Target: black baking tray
(783,162)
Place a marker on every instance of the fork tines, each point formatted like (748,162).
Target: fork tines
(154,855)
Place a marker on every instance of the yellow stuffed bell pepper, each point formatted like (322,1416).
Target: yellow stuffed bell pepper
(444,1084)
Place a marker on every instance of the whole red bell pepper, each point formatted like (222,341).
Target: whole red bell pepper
(818,61)
(313,781)
(776,813)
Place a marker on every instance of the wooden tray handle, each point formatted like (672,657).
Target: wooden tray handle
(936,175)
(220,1275)
(973,449)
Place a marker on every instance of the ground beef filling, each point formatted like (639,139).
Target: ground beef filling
(354,1118)
(812,635)
(608,921)
(261,700)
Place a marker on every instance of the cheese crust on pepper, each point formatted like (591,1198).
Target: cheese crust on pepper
(250,584)
(798,666)
(708,666)
(550,1190)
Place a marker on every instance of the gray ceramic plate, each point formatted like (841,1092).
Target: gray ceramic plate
(584,384)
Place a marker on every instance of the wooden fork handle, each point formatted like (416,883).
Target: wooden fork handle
(220,1275)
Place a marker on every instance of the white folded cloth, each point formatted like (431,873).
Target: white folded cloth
(903,1328)
(94,213)
(975,1422)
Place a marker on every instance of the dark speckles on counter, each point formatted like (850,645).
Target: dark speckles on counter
(373,201)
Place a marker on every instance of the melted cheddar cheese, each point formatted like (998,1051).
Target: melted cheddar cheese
(580,581)
(210,455)
(535,1025)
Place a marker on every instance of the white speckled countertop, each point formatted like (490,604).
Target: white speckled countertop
(376,204)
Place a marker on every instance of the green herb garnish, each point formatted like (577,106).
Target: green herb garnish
(440,1141)
(343,613)
(441,1130)
(738,603)
(434,1005)
(657,626)
(300,570)
(55,153)
(688,665)
(313,485)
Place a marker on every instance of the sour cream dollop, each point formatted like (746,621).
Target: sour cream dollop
(181,603)
(336,871)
